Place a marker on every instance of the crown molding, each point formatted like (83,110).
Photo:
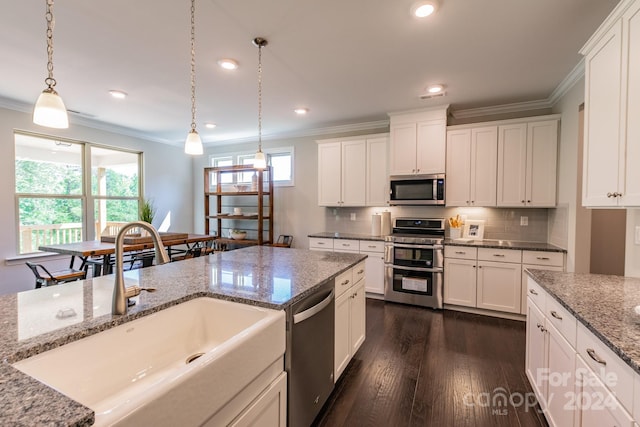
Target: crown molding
(569,81)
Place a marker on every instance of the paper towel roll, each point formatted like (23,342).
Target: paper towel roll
(376,224)
(386,223)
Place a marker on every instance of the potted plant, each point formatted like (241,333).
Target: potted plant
(147,211)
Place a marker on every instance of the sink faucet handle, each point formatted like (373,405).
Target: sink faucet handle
(149,289)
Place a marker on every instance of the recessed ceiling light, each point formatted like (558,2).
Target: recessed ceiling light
(423,9)
(301,111)
(433,89)
(210,125)
(228,64)
(118,94)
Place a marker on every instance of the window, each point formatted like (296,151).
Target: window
(280,159)
(58,180)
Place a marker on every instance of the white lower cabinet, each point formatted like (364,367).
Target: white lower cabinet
(350,317)
(499,286)
(576,378)
(374,264)
(460,282)
(268,409)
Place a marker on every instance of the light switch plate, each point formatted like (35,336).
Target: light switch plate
(524,220)
(353,216)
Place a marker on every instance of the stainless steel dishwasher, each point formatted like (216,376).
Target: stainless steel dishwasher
(309,355)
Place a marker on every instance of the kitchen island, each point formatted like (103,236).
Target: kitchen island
(39,320)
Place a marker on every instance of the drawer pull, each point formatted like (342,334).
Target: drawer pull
(321,243)
(592,353)
(543,258)
(346,282)
(371,246)
(346,244)
(533,292)
(556,315)
(461,252)
(499,255)
(360,272)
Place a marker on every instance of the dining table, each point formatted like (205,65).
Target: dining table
(88,251)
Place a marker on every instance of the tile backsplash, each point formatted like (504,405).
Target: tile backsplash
(500,223)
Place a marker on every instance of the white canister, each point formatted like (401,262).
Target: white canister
(376,224)
(386,223)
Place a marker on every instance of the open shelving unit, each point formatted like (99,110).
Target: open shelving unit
(226,187)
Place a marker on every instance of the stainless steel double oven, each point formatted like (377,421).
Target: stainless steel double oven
(414,262)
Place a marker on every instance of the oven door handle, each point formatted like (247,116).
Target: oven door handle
(426,270)
(434,247)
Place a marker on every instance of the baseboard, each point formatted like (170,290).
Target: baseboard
(473,310)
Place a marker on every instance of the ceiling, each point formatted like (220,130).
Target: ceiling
(348,61)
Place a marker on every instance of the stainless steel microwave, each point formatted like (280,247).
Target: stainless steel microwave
(417,190)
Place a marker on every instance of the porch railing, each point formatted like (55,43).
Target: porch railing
(33,236)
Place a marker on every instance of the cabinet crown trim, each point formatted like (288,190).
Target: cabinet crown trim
(353,138)
(606,25)
(521,120)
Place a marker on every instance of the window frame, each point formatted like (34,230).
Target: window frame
(238,157)
(86,197)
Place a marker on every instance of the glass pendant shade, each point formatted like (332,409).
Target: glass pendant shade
(50,110)
(193,144)
(259,161)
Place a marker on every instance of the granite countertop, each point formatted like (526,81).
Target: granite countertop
(30,325)
(606,305)
(506,244)
(349,236)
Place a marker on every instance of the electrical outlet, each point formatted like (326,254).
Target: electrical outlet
(353,216)
(524,220)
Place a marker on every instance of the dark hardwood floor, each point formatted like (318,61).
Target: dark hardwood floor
(422,367)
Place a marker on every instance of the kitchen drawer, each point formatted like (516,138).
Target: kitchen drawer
(460,252)
(343,282)
(536,294)
(500,255)
(555,259)
(321,243)
(371,246)
(346,245)
(358,272)
(616,375)
(564,321)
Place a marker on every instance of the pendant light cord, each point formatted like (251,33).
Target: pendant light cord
(259,97)
(50,81)
(193,66)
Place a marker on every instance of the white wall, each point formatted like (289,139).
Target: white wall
(569,223)
(167,180)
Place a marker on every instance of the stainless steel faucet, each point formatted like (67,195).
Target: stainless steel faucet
(120,292)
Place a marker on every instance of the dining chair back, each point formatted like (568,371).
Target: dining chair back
(46,278)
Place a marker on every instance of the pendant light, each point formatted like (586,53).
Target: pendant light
(259,160)
(193,144)
(49,110)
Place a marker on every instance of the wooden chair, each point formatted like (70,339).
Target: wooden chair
(284,241)
(46,278)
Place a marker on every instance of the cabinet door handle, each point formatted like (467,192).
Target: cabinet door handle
(610,195)
(556,315)
(522,201)
(543,258)
(528,201)
(539,325)
(592,353)
(346,282)
(499,255)
(533,292)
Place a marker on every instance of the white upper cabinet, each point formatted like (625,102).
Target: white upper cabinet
(527,164)
(612,106)
(471,166)
(353,171)
(418,142)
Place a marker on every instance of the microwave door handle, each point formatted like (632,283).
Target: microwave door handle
(434,190)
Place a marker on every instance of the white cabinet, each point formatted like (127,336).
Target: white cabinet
(417,142)
(353,171)
(499,282)
(536,354)
(350,317)
(460,278)
(471,166)
(612,105)
(527,158)
(374,265)
(268,409)
(377,179)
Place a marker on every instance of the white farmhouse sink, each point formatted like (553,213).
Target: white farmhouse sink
(141,372)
